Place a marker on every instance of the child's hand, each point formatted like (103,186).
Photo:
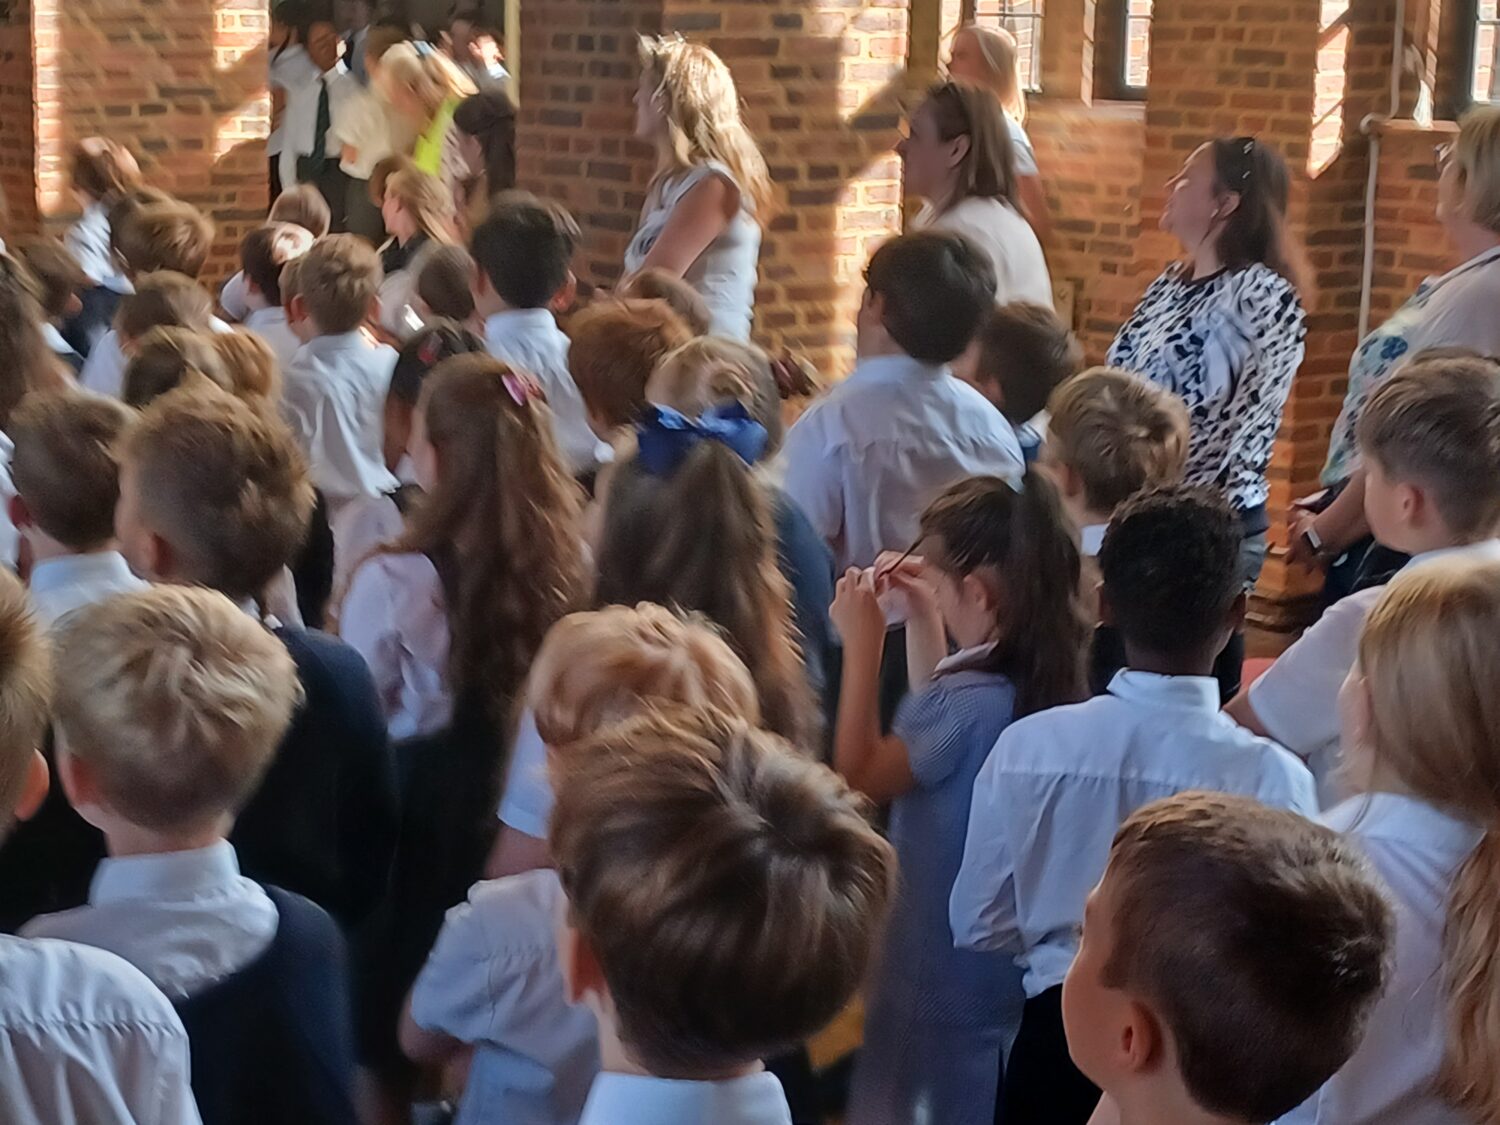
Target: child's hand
(856,611)
(913,584)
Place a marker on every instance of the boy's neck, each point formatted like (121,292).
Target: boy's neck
(1196,663)
(1425,540)
(616,1058)
(1159,1102)
(125,840)
(44,548)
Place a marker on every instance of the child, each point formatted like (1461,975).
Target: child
(493,980)
(1178,1005)
(1022,354)
(85,1037)
(1058,783)
(253,369)
(616,345)
(215,493)
(725,900)
(1420,728)
(444,287)
(522,251)
(1430,438)
(170,705)
(262,255)
(999,578)
(302,206)
(67,478)
(866,460)
(61,281)
(659,285)
(168,358)
(103,172)
(296,311)
(335,387)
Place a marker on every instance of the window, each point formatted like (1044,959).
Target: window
(1136,63)
(1023,19)
(1484,84)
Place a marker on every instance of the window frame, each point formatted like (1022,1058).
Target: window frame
(1112,54)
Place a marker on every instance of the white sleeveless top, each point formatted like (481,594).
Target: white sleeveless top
(725,273)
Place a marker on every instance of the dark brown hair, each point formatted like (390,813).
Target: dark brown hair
(733,893)
(658,285)
(164,300)
(266,250)
(26,362)
(59,276)
(104,169)
(66,466)
(25,693)
(1255,231)
(961,109)
(1028,351)
(616,345)
(1260,940)
(338,281)
(525,248)
(168,358)
(937,287)
(445,282)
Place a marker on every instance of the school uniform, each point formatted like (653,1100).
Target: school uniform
(1047,803)
(96,314)
(333,397)
(104,369)
(1417,849)
(865,460)
(494,981)
(310,147)
(368,522)
(10,538)
(234,298)
(940,1019)
(61,348)
(636,1099)
(89,242)
(530,341)
(61,585)
(269,323)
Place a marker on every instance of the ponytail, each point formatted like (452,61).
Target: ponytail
(1470,1077)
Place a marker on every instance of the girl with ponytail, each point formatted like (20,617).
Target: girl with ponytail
(1421,738)
(993,575)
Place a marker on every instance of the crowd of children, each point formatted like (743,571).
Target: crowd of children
(454,691)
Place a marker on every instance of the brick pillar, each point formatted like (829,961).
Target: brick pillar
(18,133)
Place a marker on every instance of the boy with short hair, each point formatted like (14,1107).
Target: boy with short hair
(1022,354)
(170,705)
(62,281)
(263,254)
(83,1036)
(66,473)
(677,837)
(215,493)
(866,460)
(616,346)
(1179,1007)
(1057,784)
(335,388)
(522,252)
(1430,441)
(302,206)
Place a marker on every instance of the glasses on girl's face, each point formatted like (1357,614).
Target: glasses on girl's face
(1441,154)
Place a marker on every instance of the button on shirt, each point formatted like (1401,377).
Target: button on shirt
(185,919)
(530,341)
(61,585)
(85,1038)
(867,459)
(1059,783)
(1417,850)
(633,1099)
(333,397)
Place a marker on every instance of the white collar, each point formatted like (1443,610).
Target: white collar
(894,369)
(1091,539)
(963,657)
(170,876)
(55,339)
(320,346)
(632,1099)
(1196,693)
(1410,820)
(118,283)
(79,570)
(266,314)
(521,322)
(1484,550)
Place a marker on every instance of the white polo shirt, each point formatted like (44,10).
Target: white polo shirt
(635,1099)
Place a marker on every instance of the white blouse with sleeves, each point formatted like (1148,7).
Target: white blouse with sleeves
(1007,240)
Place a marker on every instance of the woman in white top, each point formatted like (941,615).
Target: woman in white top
(959,159)
(368,130)
(711,192)
(418,211)
(1421,725)
(1454,310)
(987,56)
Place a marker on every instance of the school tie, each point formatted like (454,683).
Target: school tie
(325,118)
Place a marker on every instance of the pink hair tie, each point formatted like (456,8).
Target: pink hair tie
(522,388)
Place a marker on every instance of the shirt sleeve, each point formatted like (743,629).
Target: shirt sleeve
(367,623)
(809,474)
(449,995)
(526,804)
(932,726)
(982,905)
(1296,699)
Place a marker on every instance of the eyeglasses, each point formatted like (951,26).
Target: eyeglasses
(1441,154)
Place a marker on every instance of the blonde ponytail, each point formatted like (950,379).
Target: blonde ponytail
(1470,1076)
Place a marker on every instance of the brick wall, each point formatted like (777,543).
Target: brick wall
(17,123)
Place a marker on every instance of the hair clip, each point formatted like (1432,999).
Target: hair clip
(522,388)
(666,437)
(428,352)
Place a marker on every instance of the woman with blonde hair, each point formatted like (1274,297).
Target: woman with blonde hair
(988,57)
(418,213)
(1421,738)
(425,88)
(959,159)
(711,192)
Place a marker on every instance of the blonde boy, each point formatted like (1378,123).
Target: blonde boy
(85,1037)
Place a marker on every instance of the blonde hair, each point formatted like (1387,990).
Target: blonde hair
(250,364)
(1002,56)
(25,692)
(711,371)
(614,663)
(431,77)
(1477,152)
(169,357)
(423,196)
(176,699)
(1430,662)
(704,122)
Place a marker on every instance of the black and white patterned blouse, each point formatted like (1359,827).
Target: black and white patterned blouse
(1228,344)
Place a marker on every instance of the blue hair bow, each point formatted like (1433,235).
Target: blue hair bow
(666,437)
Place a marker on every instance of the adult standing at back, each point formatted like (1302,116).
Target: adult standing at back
(959,159)
(711,192)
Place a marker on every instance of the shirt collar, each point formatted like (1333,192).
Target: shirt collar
(166,877)
(331,345)
(1091,538)
(55,339)
(1196,693)
(512,323)
(97,568)
(1486,549)
(894,369)
(963,657)
(265,315)
(1396,816)
(632,1099)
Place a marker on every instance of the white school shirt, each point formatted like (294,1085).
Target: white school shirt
(360,527)
(529,340)
(299,121)
(185,919)
(635,1099)
(288,67)
(333,397)
(269,323)
(865,460)
(86,1038)
(104,370)
(1296,698)
(366,123)
(234,298)
(1417,849)
(526,802)
(1091,539)
(59,346)
(88,240)
(396,617)
(10,538)
(68,582)
(494,982)
(1058,785)
(1007,240)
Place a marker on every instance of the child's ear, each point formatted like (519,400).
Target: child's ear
(20,514)
(1237,611)
(480,282)
(79,785)
(582,976)
(563,299)
(1142,1040)
(296,308)
(74,306)
(34,791)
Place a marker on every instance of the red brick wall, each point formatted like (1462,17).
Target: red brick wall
(17,121)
